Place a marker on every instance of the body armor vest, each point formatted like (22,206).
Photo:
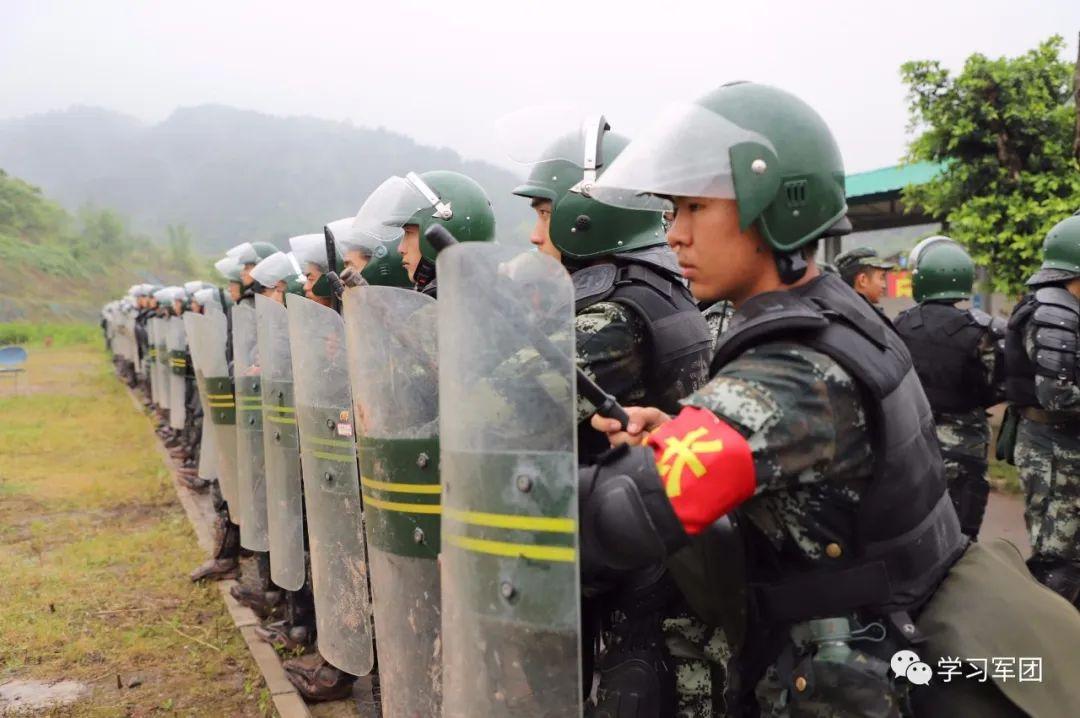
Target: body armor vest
(1019,369)
(680,343)
(944,345)
(905,532)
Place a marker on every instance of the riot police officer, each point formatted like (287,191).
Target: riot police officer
(814,434)
(956,355)
(639,334)
(1043,385)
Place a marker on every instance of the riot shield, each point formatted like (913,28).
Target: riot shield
(219,403)
(339,570)
(281,447)
(511,602)
(161,361)
(177,372)
(208,449)
(393,367)
(151,360)
(250,460)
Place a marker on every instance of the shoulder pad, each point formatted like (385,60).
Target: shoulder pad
(998,326)
(774,313)
(593,283)
(1058,296)
(660,256)
(1053,315)
(981,318)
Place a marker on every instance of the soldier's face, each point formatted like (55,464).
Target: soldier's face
(196,307)
(313,275)
(356,259)
(541,233)
(177,307)
(871,284)
(718,259)
(245,274)
(277,293)
(234,291)
(410,249)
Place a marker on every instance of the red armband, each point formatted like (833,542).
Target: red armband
(705,465)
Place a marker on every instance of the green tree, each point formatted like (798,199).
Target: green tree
(1004,130)
(180,255)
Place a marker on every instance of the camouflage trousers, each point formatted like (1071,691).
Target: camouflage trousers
(702,658)
(965,440)
(1048,458)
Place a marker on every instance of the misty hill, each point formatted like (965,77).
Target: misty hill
(63,266)
(229,175)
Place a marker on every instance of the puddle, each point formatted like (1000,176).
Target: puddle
(25,697)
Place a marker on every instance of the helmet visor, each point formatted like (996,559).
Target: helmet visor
(686,153)
(309,249)
(275,268)
(384,214)
(227,267)
(244,254)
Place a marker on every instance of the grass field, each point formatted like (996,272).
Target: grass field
(95,551)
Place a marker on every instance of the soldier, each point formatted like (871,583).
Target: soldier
(955,352)
(332,497)
(310,250)
(212,369)
(865,272)
(247,255)
(1042,377)
(641,337)
(814,434)
(394,379)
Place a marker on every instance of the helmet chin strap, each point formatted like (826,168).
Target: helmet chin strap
(425,272)
(791,266)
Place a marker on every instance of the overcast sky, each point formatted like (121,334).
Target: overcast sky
(442,71)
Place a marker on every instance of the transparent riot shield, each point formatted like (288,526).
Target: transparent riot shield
(393,367)
(250,460)
(161,361)
(281,447)
(219,407)
(208,449)
(177,372)
(511,602)
(151,360)
(339,569)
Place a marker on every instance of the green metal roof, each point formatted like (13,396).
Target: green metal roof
(890,179)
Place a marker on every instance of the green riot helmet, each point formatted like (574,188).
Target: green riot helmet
(758,145)
(310,249)
(940,269)
(564,171)
(1061,253)
(279,267)
(247,253)
(451,199)
(210,296)
(375,244)
(183,298)
(229,268)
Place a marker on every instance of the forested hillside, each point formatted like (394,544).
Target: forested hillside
(58,265)
(229,175)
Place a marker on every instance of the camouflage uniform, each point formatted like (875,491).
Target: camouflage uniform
(1048,457)
(611,349)
(804,419)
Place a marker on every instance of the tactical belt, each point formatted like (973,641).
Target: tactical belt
(1041,416)
(898,574)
